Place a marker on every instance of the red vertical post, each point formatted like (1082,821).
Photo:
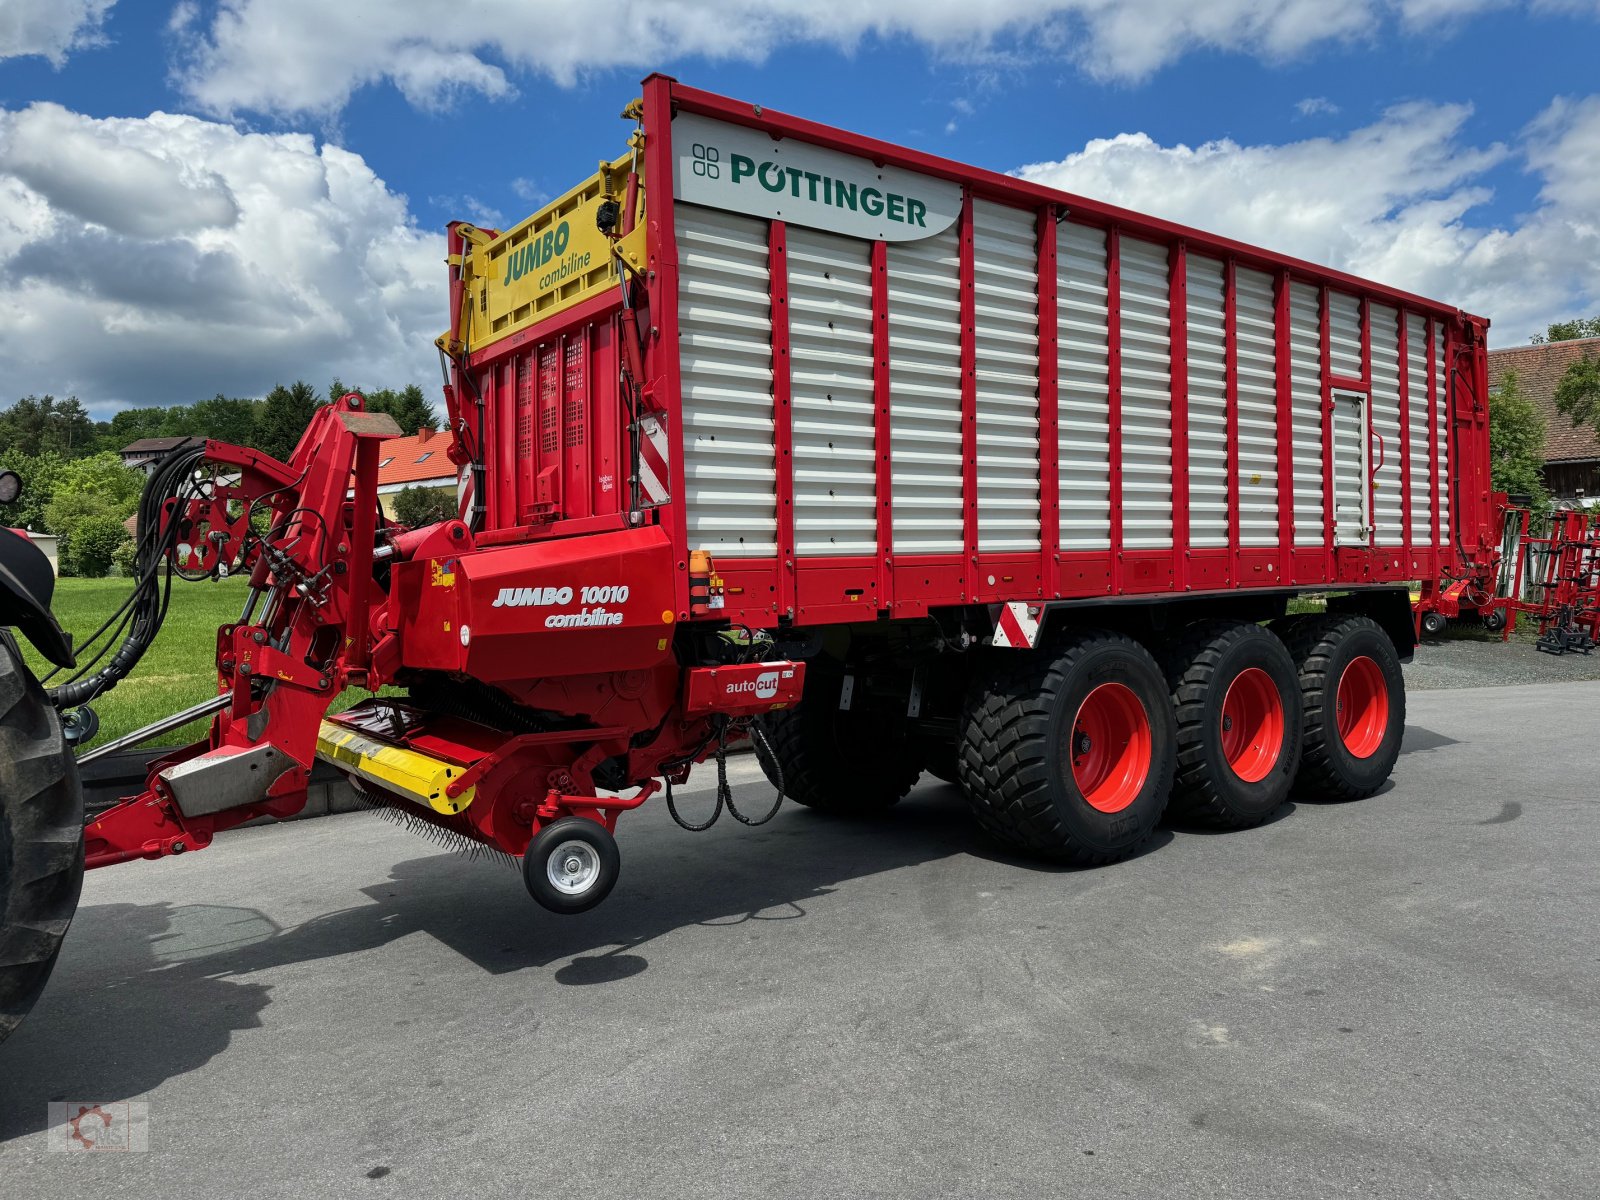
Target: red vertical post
(1451,484)
(1327,436)
(782,414)
(969,408)
(1114,398)
(882,423)
(1178,353)
(1230,391)
(662,360)
(1371,481)
(1049,409)
(1403,351)
(1282,359)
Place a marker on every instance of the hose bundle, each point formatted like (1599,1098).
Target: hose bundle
(140,616)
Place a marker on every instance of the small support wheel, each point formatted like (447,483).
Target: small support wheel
(1433,623)
(571,865)
(1494,619)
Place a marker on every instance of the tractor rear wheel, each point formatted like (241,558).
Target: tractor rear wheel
(1237,698)
(1354,699)
(848,763)
(1069,754)
(41,838)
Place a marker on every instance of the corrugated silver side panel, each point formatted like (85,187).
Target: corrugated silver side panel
(1417,416)
(1441,388)
(1146,397)
(725,350)
(1305,385)
(1255,318)
(1386,514)
(830,389)
(925,390)
(1084,388)
(1208,404)
(1344,335)
(1005,280)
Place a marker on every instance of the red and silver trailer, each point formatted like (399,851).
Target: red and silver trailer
(888,463)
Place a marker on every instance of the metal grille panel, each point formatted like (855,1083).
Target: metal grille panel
(725,347)
(1006,317)
(830,364)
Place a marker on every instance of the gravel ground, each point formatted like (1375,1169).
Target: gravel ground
(1462,659)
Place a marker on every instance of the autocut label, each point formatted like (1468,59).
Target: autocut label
(746,171)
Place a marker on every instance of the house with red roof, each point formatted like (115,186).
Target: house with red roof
(1571,453)
(421,460)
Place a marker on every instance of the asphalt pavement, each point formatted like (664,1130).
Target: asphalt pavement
(1391,998)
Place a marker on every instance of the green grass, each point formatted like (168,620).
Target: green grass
(178,670)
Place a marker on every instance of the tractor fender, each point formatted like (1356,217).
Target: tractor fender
(26,586)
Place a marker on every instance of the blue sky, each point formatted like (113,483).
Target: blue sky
(1450,148)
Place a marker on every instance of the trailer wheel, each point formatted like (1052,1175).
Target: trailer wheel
(1494,619)
(1433,623)
(41,838)
(571,865)
(1070,757)
(1236,696)
(849,763)
(1354,698)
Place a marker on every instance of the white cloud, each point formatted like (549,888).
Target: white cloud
(1391,201)
(130,275)
(287,56)
(50,28)
(1317,106)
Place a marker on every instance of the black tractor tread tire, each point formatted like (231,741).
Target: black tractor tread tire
(1006,767)
(1191,665)
(818,773)
(1313,643)
(41,838)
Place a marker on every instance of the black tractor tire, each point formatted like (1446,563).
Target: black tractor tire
(852,763)
(41,838)
(1202,669)
(1354,762)
(1023,734)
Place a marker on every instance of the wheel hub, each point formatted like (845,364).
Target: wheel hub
(572,868)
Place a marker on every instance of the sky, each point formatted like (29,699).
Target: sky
(204,196)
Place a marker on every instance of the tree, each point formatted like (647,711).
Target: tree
(1566,331)
(1578,392)
(1516,441)
(416,507)
(284,417)
(130,425)
(224,419)
(93,546)
(104,476)
(36,424)
(38,473)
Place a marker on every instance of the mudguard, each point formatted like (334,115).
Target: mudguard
(26,586)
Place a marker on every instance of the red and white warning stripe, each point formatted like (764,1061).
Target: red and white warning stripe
(464,491)
(1016,627)
(654,477)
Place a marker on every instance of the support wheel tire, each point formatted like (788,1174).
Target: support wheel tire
(571,865)
(1433,623)
(41,838)
(1070,755)
(1354,700)
(1236,696)
(852,763)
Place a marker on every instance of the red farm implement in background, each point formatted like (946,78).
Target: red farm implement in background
(770,431)
(1553,572)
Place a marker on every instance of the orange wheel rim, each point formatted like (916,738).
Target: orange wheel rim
(1252,725)
(1110,750)
(1363,699)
